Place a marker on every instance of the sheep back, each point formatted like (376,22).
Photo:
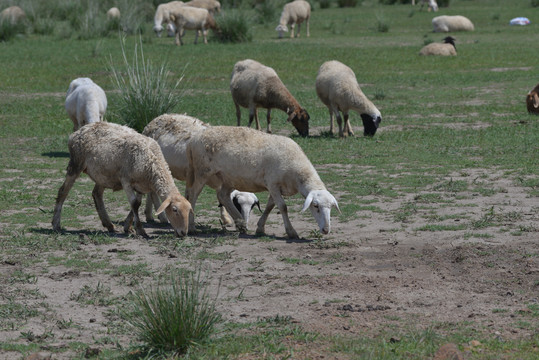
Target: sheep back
(294,12)
(13,14)
(447,23)
(113,13)
(86,102)
(438,49)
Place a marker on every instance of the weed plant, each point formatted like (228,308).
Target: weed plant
(234,27)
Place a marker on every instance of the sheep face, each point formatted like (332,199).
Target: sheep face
(300,120)
(158,30)
(370,124)
(245,202)
(320,202)
(177,209)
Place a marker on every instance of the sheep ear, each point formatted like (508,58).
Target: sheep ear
(535,100)
(163,206)
(337,206)
(308,201)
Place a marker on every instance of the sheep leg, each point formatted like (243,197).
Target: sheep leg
(196,37)
(179,35)
(308,33)
(277,199)
(347,127)
(339,122)
(135,199)
(331,122)
(299,29)
(238,113)
(223,194)
(260,226)
(97,195)
(73,172)
(268,119)
(205,35)
(292,30)
(253,114)
(192,191)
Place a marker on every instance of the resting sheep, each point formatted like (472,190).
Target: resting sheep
(162,15)
(250,160)
(447,48)
(432,5)
(532,101)
(254,85)
(446,23)
(85,103)
(294,13)
(113,13)
(337,87)
(117,157)
(191,18)
(172,132)
(13,14)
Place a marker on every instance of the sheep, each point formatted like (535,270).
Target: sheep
(446,23)
(85,103)
(117,157)
(448,48)
(250,160)
(213,6)
(13,14)
(191,18)
(162,15)
(338,89)
(172,132)
(244,202)
(254,85)
(294,13)
(532,101)
(432,5)
(113,13)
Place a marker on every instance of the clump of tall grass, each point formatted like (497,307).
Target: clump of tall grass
(8,30)
(171,317)
(145,89)
(347,3)
(267,11)
(233,27)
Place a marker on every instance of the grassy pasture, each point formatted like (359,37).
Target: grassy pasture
(441,116)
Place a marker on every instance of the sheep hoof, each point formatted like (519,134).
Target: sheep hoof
(292,234)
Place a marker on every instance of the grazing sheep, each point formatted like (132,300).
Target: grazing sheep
(254,85)
(113,13)
(162,15)
(250,160)
(448,48)
(337,87)
(85,103)
(213,6)
(294,13)
(13,14)
(532,101)
(191,18)
(244,202)
(446,23)
(117,157)
(172,132)
(432,5)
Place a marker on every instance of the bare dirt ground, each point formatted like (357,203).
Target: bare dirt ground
(371,275)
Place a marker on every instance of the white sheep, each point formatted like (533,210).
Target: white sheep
(250,160)
(337,87)
(117,157)
(532,101)
(162,15)
(244,202)
(447,48)
(447,23)
(254,85)
(191,18)
(432,5)
(13,14)
(172,132)
(294,13)
(213,6)
(113,13)
(85,103)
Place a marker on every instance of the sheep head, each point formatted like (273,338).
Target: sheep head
(532,102)
(370,123)
(320,202)
(281,29)
(300,120)
(177,208)
(158,29)
(245,202)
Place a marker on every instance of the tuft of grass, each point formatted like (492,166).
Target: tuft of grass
(8,31)
(234,27)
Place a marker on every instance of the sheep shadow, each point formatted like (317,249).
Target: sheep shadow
(56,154)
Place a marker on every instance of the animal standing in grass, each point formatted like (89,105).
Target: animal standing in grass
(117,157)
(432,5)
(162,16)
(191,18)
(13,14)
(213,6)
(254,85)
(296,12)
(337,87)
(447,48)
(532,101)
(86,102)
(113,13)
(446,23)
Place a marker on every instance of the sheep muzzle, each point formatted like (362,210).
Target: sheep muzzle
(370,125)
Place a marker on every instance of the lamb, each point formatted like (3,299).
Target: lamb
(13,14)
(446,23)
(250,160)
(162,15)
(117,157)
(172,132)
(532,101)
(294,13)
(432,5)
(85,103)
(191,18)
(254,85)
(113,13)
(447,48)
(337,87)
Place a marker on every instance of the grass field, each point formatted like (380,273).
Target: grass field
(449,186)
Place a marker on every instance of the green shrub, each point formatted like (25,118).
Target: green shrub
(535,3)
(325,4)
(8,30)
(347,3)
(233,27)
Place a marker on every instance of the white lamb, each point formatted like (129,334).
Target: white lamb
(432,5)
(191,18)
(294,13)
(446,23)
(254,85)
(250,160)
(162,16)
(337,87)
(13,14)
(117,157)
(172,132)
(85,103)
(113,13)
(447,48)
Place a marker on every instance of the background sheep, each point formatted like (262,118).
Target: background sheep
(447,23)
(13,14)
(432,5)
(294,13)
(448,48)
(213,6)
(337,87)
(250,160)
(85,103)
(191,18)
(117,157)
(113,13)
(254,85)
(532,101)
(162,16)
